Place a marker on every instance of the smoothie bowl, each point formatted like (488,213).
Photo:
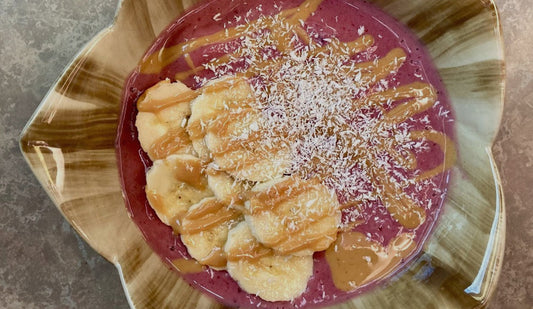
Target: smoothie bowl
(284,154)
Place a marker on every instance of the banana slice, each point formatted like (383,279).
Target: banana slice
(226,188)
(259,271)
(218,95)
(204,231)
(293,216)
(237,145)
(162,117)
(175,184)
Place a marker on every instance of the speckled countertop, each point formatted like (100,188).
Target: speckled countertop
(43,262)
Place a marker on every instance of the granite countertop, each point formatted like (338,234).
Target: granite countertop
(45,264)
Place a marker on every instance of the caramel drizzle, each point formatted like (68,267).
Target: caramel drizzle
(421,96)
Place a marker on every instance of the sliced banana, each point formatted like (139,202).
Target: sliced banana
(173,185)
(204,231)
(237,145)
(293,216)
(162,117)
(261,272)
(226,188)
(219,95)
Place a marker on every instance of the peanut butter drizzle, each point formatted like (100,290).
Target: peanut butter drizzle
(209,215)
(172,142)
(271,198)
(354,47)
(406,158)
(424,99)
(291,244)
(254,151)
(156,201)
(249,160)
(300,15)
(301,235)
(416,90)
(355,261)
(291,240)
(446,145)
(388,64)
(216,258)
(197,129)
(402,208)
(223,85)
(183,75)
(233,144)
(190,63)
(191,174)
(188,266)
(175,224)
(222,125)
(154,63)
(154,106)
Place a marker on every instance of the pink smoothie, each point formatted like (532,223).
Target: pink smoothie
(345,20)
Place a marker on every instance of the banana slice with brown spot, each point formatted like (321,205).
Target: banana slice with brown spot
(161,121)
(173,185)
(293,216)
(258,270)
(219,95)
(237,144)
(204,231)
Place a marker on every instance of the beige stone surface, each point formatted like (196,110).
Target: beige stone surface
(513,151)
(45,264)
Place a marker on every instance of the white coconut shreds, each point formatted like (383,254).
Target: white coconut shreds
(311,99)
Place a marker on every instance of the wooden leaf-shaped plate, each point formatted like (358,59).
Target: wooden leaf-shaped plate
(69,144)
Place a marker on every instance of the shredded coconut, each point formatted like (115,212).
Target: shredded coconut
(314,99)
